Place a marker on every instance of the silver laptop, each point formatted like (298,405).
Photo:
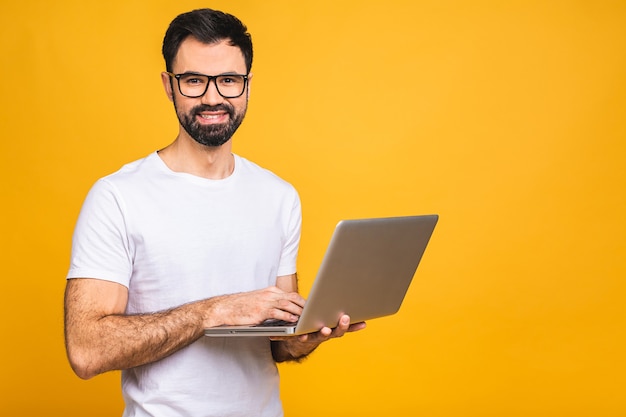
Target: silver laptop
(365,273)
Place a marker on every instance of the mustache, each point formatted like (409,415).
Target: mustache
(220,107)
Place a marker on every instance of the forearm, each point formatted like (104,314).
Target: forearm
(100,337)
(298,347)
(117,341)
(291,350)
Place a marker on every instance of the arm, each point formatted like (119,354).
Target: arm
(100,337)
(296,348)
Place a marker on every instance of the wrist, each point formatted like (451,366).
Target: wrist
(209,312)
(292,350)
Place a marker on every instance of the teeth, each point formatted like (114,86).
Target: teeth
(210,116)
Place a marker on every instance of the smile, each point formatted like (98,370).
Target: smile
(213,117)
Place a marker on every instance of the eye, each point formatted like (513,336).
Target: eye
(230,79)
(193,80)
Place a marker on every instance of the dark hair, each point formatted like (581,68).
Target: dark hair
(208,26)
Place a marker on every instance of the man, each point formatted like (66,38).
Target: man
(192,236)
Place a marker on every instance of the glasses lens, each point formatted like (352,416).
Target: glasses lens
(195,85)
(192,85)
(230,85)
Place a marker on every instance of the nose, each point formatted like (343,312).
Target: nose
(212,96)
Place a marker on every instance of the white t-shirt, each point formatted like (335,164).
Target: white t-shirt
(173,238)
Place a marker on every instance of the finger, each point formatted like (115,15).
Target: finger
(326,332)
(357,326)
(342,326)
(296,298)
(286,304)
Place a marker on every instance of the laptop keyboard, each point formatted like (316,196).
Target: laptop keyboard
(276,322)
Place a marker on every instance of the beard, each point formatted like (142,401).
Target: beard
(211,135)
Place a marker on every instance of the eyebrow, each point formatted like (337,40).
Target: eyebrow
(207,75)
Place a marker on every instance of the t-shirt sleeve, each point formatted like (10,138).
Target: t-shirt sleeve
(293,225)
(100,247)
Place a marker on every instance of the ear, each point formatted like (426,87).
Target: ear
(249,82)
(166,79)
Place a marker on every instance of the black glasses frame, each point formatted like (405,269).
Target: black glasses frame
(211,78)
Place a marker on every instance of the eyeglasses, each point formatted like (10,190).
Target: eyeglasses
(195,85)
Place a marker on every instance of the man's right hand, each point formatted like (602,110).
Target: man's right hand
(255,307)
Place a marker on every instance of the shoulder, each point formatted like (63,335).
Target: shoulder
(146,164)
(254,173)
(129,178)
(131,175)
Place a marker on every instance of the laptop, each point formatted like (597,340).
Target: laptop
(365,273)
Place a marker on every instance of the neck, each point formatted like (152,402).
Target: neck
(188,156)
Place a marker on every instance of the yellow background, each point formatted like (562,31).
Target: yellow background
(507,118)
